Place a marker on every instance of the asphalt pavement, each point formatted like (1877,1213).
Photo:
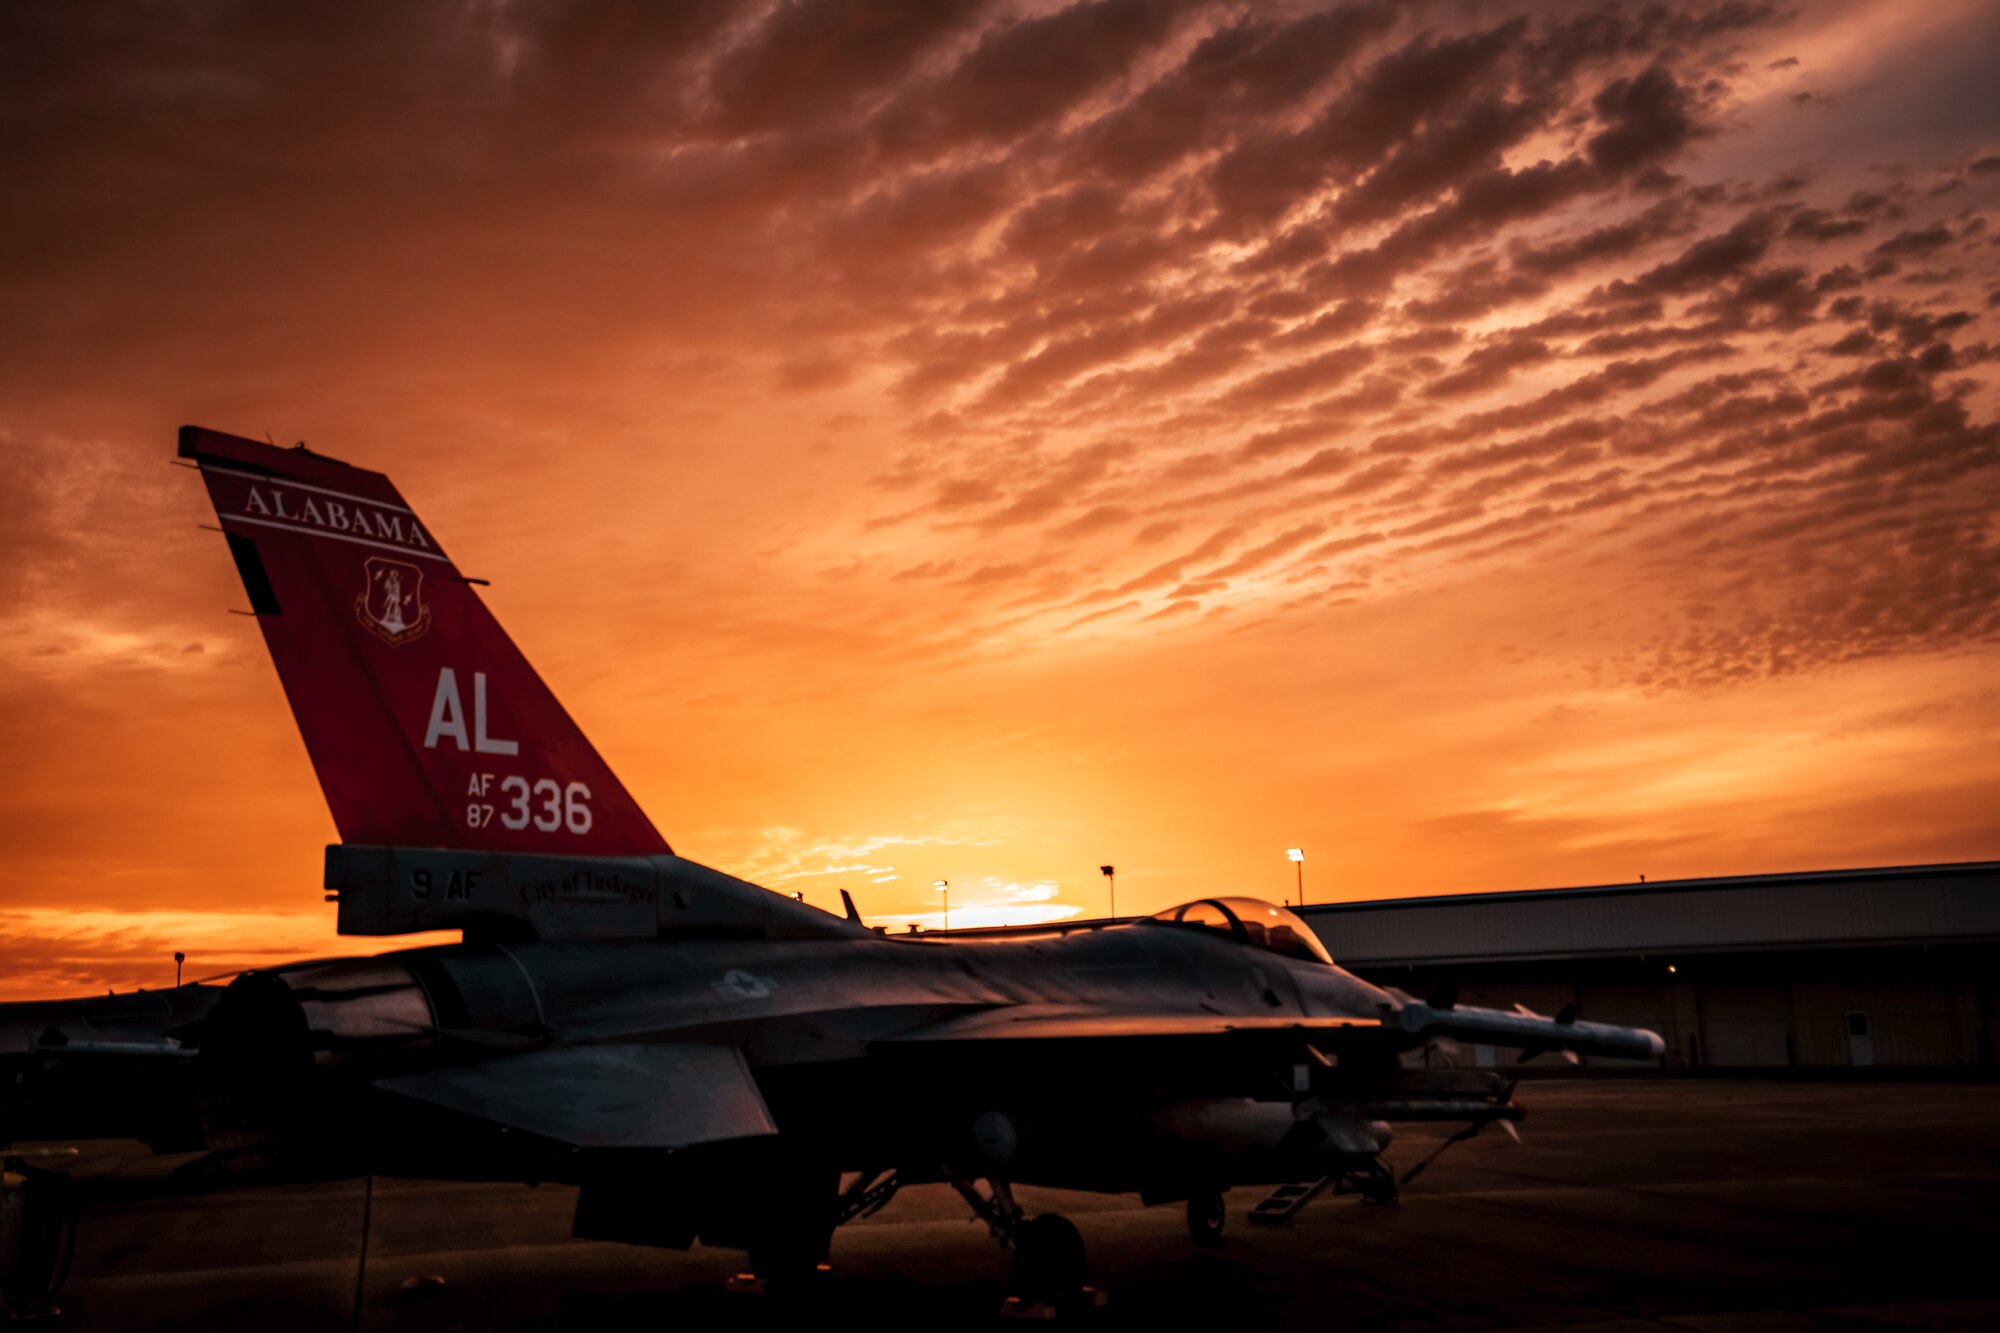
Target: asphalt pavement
(1709,1205)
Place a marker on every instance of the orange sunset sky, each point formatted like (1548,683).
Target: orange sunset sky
(1489,446)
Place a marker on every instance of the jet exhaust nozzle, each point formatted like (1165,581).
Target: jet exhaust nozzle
(272,1033)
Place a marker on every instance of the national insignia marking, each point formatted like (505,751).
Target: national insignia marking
(740,985)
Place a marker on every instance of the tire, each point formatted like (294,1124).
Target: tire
(794,1236)
(1379,1186)
(1206,1216)
(45,1215)
(1049,1263)
(790,1250)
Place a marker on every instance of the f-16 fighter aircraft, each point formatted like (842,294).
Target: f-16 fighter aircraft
(707,1059)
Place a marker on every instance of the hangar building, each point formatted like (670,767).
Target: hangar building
(1891,967)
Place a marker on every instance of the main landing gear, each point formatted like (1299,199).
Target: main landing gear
(1375,1183)
(37,1234)
(1050,1266)
(1206,1217)
(788,1241)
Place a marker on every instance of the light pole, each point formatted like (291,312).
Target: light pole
(944,886)
(1111,882)
(1298,856)
(179,958)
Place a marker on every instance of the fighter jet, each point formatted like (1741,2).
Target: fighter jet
(708,1060)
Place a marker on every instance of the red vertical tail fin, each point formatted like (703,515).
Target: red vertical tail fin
(426,725)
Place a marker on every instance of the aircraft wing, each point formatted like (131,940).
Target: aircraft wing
(1048,1023)
(668,1095)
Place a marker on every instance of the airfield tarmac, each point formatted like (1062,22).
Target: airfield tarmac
(1712,1205)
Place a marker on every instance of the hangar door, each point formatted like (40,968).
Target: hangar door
(1746,1026)
(1642,1006)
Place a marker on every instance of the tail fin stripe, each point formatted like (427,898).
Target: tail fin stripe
(333,536)
(282,480)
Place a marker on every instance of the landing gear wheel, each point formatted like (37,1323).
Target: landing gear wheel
(791,1241)
(1205,1219)
(1378,1185)
(37,1238)
(789,1256)
(1049,1265)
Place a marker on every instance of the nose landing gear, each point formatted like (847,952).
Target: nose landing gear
(1049,1271)
(1050,1264)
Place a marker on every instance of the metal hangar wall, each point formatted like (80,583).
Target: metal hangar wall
(1891,967)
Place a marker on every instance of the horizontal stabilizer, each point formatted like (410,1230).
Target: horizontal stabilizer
(654,1096)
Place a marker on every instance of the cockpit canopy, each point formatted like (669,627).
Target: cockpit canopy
(1252,921)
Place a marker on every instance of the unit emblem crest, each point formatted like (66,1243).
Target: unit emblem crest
(391,604)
